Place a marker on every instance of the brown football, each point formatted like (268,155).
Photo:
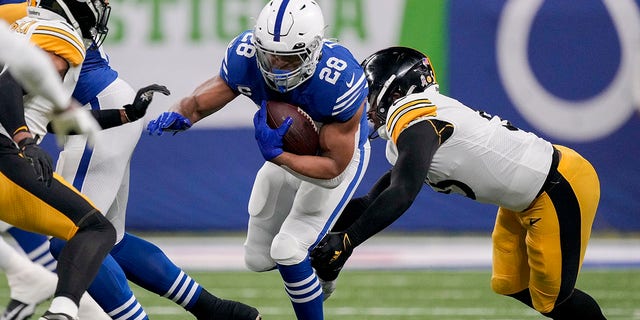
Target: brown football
(302,137)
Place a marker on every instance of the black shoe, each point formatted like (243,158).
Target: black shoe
(327,274)
(234,310)
(17,310)
(56,316)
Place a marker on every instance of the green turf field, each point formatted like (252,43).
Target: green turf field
(398,295)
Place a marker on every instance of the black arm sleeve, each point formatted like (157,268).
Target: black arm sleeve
(106,118)
(11,103)
(356,206)
(416,146)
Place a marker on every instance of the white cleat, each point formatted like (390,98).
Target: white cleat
(33,284)
(328,287)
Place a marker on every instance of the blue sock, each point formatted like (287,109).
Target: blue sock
(110,288)
(304,290)
(36,246)
(147,266)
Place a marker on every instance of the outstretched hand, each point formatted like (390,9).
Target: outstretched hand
(269,140)
(170,122)
(330,255)
(138,108)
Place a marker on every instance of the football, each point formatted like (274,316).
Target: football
(302,137)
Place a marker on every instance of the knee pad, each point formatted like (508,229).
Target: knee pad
(258,260)
(502,286)
(286,250)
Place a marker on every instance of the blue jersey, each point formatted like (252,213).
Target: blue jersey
(333,94)
(95,75)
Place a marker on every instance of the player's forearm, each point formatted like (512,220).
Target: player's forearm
(11,106)
(315,167)
(209,97)
(383,211)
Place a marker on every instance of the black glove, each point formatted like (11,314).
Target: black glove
(143,98)
(330,255)
(38,158)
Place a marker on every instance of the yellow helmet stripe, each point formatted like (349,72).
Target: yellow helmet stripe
(61,42)
(408,112)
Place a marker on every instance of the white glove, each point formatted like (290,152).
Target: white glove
(75,120)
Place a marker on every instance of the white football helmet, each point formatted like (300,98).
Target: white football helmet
(89,17)
(288,38)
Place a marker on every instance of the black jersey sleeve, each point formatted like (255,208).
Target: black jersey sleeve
(11,103)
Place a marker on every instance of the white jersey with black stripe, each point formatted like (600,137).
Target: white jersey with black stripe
(486,158)
(60,38)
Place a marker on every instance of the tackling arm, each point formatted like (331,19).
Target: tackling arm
(416,146)
(12,108)
(12,119)
(356,206)
(109,118)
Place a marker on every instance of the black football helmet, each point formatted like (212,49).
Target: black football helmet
(90,17)
(393,73)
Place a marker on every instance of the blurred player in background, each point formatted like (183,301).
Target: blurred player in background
(33,197)
(31,281)
(295,199)
(101,171)
(547,194)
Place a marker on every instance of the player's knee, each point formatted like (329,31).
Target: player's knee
(500,285)
(99,224)
(258,260)
(505,286)
(287,250)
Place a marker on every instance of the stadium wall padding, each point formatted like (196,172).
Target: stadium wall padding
(568,72)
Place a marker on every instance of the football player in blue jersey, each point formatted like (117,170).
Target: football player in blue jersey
(101,172)
(547,194)
(295,199)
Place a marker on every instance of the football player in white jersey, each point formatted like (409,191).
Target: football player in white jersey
(101,171)
(295,199)
(35,72)
(547,194)
(54,207)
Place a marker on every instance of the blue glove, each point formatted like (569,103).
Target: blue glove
(269,140)
(168,121)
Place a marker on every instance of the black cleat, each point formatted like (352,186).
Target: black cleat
(56,316)
(17,310)
(234,310)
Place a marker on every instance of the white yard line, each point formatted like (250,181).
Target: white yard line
(389,252)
